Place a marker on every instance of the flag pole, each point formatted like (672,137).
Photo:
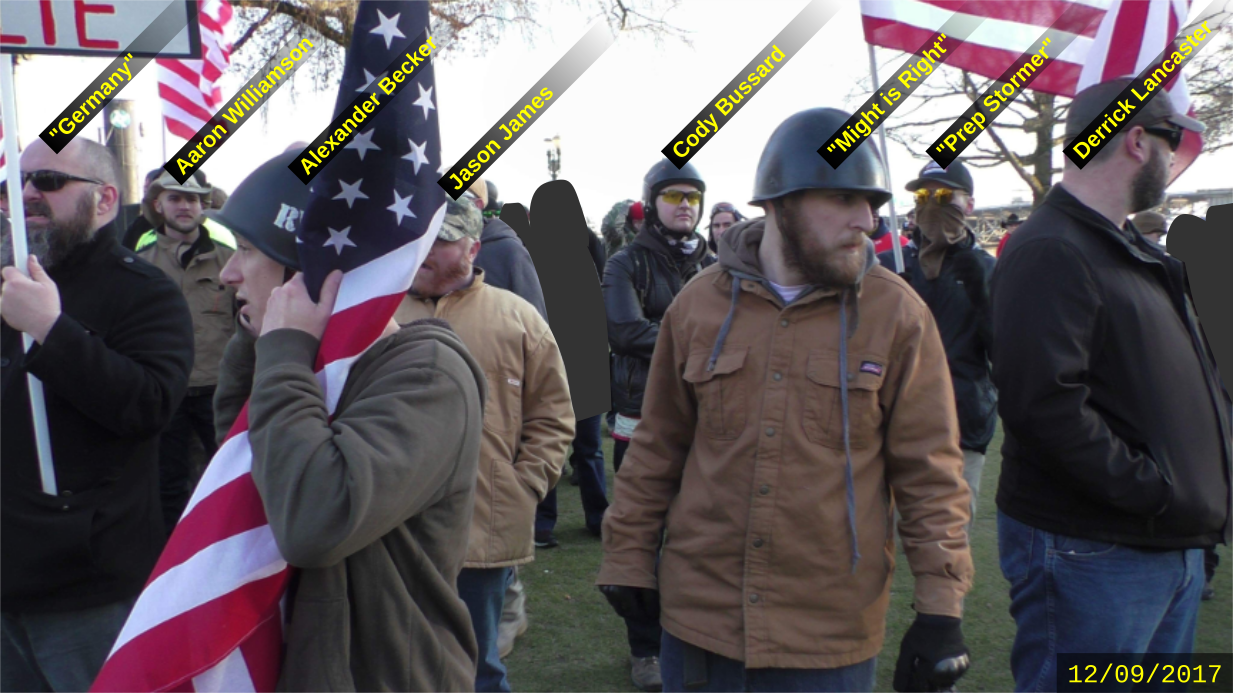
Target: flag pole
(17,212)
(896,248)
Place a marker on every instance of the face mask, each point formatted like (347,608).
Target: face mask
(941,226)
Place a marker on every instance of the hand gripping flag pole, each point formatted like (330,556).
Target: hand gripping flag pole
(17,210)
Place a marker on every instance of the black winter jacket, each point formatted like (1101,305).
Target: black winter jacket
(640,281)
(507,264)
(114,367)
(1117,426)
(959,301)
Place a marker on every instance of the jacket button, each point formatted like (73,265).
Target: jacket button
(777,376)
(64,507)
(770,432)
(851,377)
(783,323)
(764,489)
(753,599)
(66,493)
(128,260)
(758,543)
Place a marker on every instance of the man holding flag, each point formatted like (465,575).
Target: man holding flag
(322,547)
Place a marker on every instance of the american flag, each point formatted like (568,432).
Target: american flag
(209,618)
(189,88)
(1113,38)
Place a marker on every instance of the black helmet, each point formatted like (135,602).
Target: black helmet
(790,161)
(662,175)
(266,208)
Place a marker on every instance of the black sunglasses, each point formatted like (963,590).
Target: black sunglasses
(1171,135)
(47,181)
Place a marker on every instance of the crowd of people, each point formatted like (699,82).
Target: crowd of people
(784,397)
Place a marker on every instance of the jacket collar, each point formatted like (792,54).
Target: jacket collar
(96,248)
(1127,238)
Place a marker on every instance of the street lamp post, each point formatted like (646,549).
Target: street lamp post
(554,155)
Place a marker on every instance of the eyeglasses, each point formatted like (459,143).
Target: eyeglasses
(47,181)
(943,196)
(674,197)
(1171,135)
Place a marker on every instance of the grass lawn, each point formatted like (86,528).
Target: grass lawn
(576,642)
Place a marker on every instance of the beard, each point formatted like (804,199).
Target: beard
(828,266)
(1148,187)
(442,280)
(55,239)
(184,227)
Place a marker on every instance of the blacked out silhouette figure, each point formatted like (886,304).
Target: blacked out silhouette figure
(515,216)
(1205,247)
(557,240)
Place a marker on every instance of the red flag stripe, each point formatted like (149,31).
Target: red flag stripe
(185,105)
(1058,78)
(357,329)
(171,653)
(232,509)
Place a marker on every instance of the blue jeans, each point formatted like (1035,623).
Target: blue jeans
(588,459)
(483,591)
(60,651)
(723,674)
(1070,595)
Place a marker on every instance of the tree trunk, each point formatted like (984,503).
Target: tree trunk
(1042,157)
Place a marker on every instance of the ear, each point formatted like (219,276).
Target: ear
(1138,144)
(970,206)
(474,251)
(109,199)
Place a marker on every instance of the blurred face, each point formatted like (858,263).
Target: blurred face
(823,234)
(181,211)
(682,215)
(447,268)
(722,222)
(254,276)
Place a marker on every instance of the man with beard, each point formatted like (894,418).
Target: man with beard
(951,272)
(528,418)
(640,282)
(1115,465)
(371,504)
(192,254)
(795,386)
(113,349)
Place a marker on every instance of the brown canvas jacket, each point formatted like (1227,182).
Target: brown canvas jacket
(744,464)
(528,415)
(210,301)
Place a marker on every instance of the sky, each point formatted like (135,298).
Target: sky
(612,122)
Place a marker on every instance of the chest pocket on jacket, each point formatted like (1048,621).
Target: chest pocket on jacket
(722,409)
(503,405)
(823,418)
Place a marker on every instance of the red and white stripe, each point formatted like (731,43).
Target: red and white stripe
(2,169)
(189,88)
(1113,38)
(209,618)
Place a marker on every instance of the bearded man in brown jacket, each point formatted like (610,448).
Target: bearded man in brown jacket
(798,395)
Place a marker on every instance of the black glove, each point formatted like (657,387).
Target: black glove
(932,655)
(633,602)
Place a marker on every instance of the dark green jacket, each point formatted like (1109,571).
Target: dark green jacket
(373,505)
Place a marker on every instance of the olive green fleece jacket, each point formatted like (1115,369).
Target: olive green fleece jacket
(372,505)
